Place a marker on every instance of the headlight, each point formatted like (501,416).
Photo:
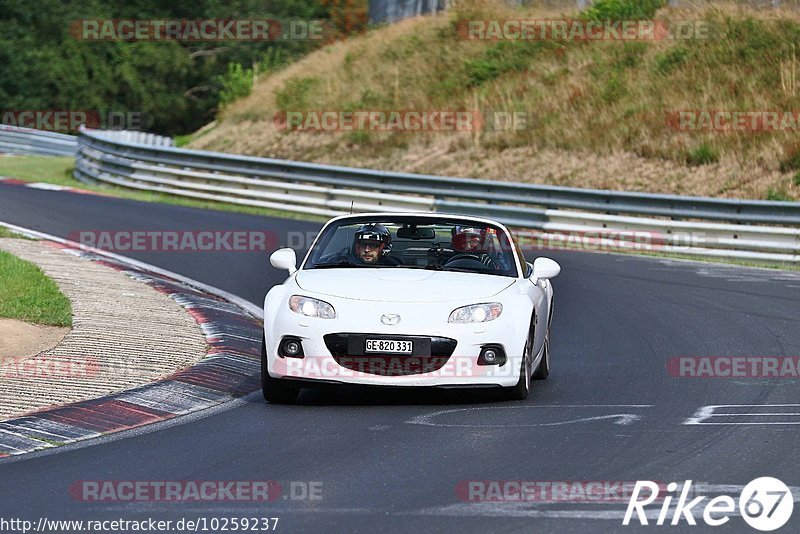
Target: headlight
(311,307)
(477,313)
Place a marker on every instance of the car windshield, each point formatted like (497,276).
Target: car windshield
(414,243)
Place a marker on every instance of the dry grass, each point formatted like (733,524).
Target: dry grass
(596,109)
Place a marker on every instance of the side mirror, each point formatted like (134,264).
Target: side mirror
(545,268)
(284,258)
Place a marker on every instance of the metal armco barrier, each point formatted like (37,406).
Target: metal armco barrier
(18,140)
(15,140)
(559,216)
(696,226)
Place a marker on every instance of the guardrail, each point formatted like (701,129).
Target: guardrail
(561,216)
(15,140)
(18,140)
(555,217)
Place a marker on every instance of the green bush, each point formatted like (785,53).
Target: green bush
(623,9)
(753,41)
(295,94)
(273,59)
(631,55)
(182,140)
(614,89)
(797,179)
(235,83)
(505,56)
(778,195)
(173,85)
(702,155)
(667,61)
(791,161)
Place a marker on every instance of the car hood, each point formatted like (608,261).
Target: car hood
(401,285)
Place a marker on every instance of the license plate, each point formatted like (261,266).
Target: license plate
(389,345)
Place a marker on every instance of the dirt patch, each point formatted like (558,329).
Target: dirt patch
(20,340)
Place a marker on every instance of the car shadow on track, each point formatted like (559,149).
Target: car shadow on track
(347,395)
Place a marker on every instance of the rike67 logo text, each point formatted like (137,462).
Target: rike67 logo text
(765,504)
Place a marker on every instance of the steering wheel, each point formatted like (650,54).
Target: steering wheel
(464,256)
(468,258)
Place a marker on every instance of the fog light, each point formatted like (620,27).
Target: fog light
(492,355)
(291,348)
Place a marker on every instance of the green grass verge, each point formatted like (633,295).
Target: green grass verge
(28,295)
(5,232)
(58,171)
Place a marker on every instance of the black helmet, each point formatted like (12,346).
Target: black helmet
(374,232)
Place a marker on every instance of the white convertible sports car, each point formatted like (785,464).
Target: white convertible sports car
(399,299)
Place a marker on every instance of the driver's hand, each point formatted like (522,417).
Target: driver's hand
(488,261)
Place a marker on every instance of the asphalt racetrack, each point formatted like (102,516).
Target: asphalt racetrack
(611,411)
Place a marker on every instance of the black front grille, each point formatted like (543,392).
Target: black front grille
(429,354)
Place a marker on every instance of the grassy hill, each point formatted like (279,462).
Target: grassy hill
(597,110)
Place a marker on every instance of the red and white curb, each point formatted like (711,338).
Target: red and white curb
(7,180)
(231,368)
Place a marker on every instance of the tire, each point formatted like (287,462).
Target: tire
(543,369)
(523,387)
(275,391)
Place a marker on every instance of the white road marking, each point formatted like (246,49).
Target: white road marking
(49,187)
(622,418)
(704,414)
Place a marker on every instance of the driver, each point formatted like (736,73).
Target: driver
(372,244)
(466,239)
(470,240)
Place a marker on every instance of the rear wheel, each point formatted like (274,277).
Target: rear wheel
(275,391)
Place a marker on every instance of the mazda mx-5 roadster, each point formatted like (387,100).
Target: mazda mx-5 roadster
(408,300)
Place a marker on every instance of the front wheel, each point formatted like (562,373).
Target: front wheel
(275,391)
(523,387)
(543,369)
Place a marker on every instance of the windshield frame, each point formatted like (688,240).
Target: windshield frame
(331,227)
